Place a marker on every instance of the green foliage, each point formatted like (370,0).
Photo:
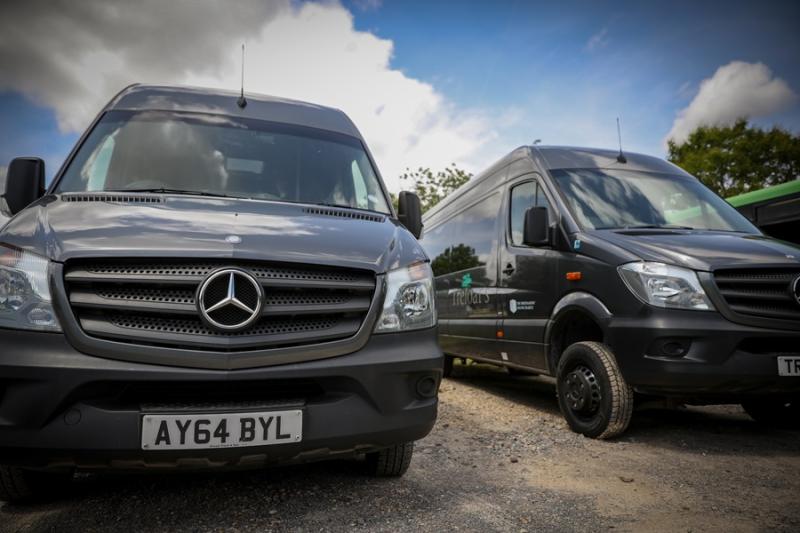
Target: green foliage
(739,158)
(454,259)
(433,187)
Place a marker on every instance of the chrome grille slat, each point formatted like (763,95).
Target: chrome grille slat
(154,303)
(760,292)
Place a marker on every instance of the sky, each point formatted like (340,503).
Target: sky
(428,83)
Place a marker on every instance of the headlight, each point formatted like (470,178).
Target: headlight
(25,301)
(409,302)
(665,286)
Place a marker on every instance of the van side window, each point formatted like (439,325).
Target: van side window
(437,243)
(467,240)
(542,201)
(524,196)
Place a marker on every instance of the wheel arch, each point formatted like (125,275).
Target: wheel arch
(578,316)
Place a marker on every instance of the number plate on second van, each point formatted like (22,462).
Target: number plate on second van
(789,366)
(217,430)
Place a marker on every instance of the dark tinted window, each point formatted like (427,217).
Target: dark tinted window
(611,199)
(467,240)
(223,155)
(437,243)
(523,197)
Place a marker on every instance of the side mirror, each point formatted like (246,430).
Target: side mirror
(409,212)
(536,231)
(24,183)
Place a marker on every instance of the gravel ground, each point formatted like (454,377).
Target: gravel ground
(500,459)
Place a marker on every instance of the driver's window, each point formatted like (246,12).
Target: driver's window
(523,197)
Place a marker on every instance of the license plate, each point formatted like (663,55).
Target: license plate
(220,430)
(789,366)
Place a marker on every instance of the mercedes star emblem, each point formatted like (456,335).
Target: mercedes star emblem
(796,289)
(230,299)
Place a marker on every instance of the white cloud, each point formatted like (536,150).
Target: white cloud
(74,56)
(736,90)
(597,41)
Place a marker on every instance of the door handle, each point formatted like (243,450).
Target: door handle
(508,270)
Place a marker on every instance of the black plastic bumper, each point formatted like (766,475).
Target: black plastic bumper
(722,360)
(59,407)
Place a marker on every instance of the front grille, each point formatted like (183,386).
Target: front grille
(760,292)
(154,303)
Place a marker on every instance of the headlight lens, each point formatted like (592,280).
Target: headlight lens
(666,286)
(25,301)
(409,302)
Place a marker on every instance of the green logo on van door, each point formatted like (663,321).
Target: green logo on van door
(466,281)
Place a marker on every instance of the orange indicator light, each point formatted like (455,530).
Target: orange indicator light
(573,276)
(500,334)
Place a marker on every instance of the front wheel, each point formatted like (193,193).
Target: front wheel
(592,394)
(390,462)
(22,485)
(775,412)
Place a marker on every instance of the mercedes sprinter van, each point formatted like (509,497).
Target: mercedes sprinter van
(620,276)
(211,281)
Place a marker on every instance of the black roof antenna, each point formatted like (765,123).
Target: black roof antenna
(242,102)
(621,157)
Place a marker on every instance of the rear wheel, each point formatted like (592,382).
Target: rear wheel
(390,462)
(21,485)
(447,370)
(592,394)
(775,412)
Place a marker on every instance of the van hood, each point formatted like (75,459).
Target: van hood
(702,250)
(170,226)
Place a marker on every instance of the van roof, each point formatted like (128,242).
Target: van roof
(216,101)
(563,157)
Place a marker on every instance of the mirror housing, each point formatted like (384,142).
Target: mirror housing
(536,230)
(409,212)
(24,183)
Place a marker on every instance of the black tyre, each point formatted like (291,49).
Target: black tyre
(390,462)
(21,485)
(592,394)
(775,412)
(447,370)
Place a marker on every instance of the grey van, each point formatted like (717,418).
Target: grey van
(622,276)
(211,281)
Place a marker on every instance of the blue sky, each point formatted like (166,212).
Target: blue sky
(491,75)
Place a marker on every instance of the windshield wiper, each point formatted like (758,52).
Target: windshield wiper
(166,190)
(657,226)
(343,206)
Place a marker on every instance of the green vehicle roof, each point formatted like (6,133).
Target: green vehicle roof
(768,193)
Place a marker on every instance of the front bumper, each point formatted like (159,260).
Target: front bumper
(62,408)
(724,361)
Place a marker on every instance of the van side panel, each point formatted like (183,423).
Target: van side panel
(462,245)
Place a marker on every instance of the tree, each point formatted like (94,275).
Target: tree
(454,259)
(739,158)
(432,188)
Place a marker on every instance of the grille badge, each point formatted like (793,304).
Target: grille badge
(796,289)
(230,299)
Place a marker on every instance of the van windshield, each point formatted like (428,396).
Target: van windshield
(224,156)
(617,199)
